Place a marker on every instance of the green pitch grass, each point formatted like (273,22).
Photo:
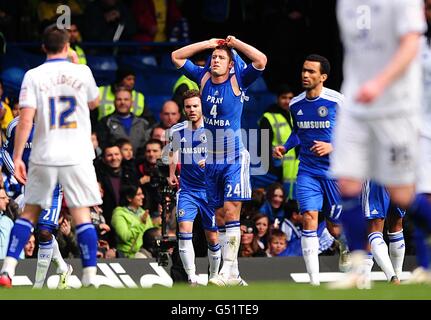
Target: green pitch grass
(255,291)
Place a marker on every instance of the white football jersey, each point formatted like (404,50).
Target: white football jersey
(426,68)
(371,32)
(60,91)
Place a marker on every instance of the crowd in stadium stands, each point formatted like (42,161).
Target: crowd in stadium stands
(128,140)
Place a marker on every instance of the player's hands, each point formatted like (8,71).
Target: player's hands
(369,91)
(214,42)
(145,216)
(104,228)
(230,41)
(173,181)
(201,163)
(321,148)
(20,171)
(278,152)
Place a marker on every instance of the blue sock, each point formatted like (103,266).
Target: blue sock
(87,240)
(354,224)
(420,211)
(422,253)
(19,236)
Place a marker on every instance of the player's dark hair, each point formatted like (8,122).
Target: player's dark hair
(110,144)
(127,192)
(290,207)
(271,190)
(191,94)
(54,39)
(325,66)
(154,141)
(227,49)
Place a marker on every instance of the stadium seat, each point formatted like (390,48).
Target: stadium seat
(140,61)
(16,57)
(258,86)
(103,68)
(166,62)
(160,82)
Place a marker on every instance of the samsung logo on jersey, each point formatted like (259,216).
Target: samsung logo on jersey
(217,122)
(189,150)
(313,124)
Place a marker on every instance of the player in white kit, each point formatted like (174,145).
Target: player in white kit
(377,133)
(57,96)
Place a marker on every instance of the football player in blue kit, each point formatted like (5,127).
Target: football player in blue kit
(223,83)
(375,204)
(187,146)
(313,113)
(48,219)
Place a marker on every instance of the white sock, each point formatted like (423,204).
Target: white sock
(222,240)
(379,249)
(233,238)
(214,257)
(187,253)
(9,265)
(397,250)
(57,258)
(368,264)
(310,252)
(89,276)
(44,256)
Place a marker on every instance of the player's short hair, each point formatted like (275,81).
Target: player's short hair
(153,141)
(191,94)
(54,39)
(275,234)
(271,190)
(325,66)
(227,49)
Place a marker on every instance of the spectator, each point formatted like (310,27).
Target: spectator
(292,227)
(261,222)
(108,20)
(123,123)
(130,221)
(249,246)
(278,122)
(75,40)
(273,206)
(149,247)
(150,176)
(169,115)
(66,236)
(159,133)
(277,243)
(112,175)
(125,77)
(6,223)
(155,20)
(29,247)
(95,141)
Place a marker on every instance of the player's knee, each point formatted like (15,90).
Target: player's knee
(44,235)
(309,220)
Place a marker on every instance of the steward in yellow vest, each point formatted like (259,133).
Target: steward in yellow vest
(278,122)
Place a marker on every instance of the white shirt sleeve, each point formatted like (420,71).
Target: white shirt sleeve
(92,89)
(27,94)
(409,16)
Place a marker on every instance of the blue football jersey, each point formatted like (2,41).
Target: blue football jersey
(192,148)
(222,109)
(8,146)
(314,120)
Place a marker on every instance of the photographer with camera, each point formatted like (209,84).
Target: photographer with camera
(187,145)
